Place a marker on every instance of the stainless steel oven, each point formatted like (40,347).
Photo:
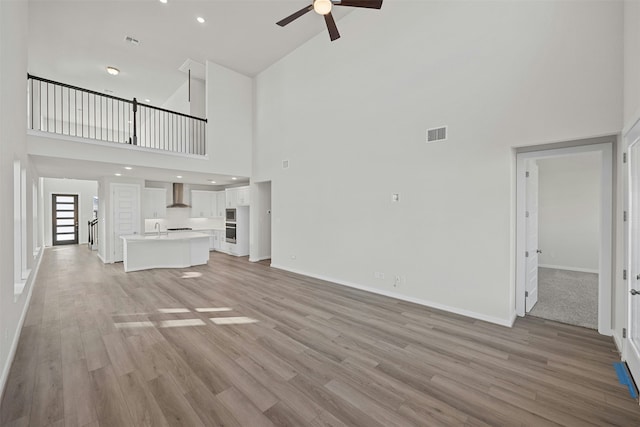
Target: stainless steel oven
(231,215)
(230,232)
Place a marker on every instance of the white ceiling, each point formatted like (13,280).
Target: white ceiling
(73,41)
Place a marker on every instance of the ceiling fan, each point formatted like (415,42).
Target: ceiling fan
(323,7)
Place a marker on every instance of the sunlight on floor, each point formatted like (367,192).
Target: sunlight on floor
(191,275)
(232,320)
(174,310)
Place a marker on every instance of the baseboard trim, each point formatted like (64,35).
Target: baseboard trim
(16,336)
(617,341)
(259,259)
(467,313)
(564,267)
(514,316)
(101,259)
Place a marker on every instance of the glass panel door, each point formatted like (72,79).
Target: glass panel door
(64,228)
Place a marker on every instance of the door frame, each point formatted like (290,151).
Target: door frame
(631,137)
(606,225)
(76,213)
(259,202)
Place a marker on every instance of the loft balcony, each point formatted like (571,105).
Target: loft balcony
(64,110)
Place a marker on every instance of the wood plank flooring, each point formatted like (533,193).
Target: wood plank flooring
(235,343)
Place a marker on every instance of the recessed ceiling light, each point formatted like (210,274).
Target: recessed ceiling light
(178,176)
(213,182)
(200,19)
(117,174)
(163,1)
(147,100)
(128,168)
(234,178)
(113,71)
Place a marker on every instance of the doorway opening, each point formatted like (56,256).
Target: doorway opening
(64,219)
(564,235)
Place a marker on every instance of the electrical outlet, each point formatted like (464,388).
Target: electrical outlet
(397,281)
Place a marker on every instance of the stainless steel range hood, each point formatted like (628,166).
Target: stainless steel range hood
(178,193)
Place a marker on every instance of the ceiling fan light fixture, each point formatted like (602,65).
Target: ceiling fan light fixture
(322,7)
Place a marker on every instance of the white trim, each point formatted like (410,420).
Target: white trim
(564,267)
(71,138)
(16,336)
(606,225)
(259,259)
(618,342)
(632,126)
(100,257)
(467,313)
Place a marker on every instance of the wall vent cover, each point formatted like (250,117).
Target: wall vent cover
(285,164)
(437,134)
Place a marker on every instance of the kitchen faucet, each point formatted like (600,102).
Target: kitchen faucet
(158,227)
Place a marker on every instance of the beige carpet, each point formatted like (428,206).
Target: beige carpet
(568,297)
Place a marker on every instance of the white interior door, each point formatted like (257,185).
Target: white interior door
(631,348)
(532,251)
(126,219)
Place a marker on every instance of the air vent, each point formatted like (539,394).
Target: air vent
(285,164)
(132,40)
(437,134)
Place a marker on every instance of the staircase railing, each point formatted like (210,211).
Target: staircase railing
(92,241)
(69,110)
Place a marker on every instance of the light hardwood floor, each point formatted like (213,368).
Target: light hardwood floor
(103,348)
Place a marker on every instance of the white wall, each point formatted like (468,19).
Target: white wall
(569,212)
(13,70)
(179,101)
(230,114)
(631,62)
(351,117)
(86,191)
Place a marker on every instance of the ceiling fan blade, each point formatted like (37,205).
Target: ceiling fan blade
(295,16)
(331,26)
(370,4)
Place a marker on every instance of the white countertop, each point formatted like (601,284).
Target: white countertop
(174,235)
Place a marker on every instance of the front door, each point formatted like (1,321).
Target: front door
(64,227)
(531,286)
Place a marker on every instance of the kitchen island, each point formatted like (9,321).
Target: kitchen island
(172,250)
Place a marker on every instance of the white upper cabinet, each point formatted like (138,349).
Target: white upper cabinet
(154,203)
(231,195)
(220,197)
(204,204)
(243,196)
(238,196)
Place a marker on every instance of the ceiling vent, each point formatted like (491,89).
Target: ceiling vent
(437,134)
(132,40)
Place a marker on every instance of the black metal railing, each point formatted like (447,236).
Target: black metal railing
(64,109)
(92,241)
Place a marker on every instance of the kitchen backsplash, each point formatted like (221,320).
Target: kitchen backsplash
(179,217)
